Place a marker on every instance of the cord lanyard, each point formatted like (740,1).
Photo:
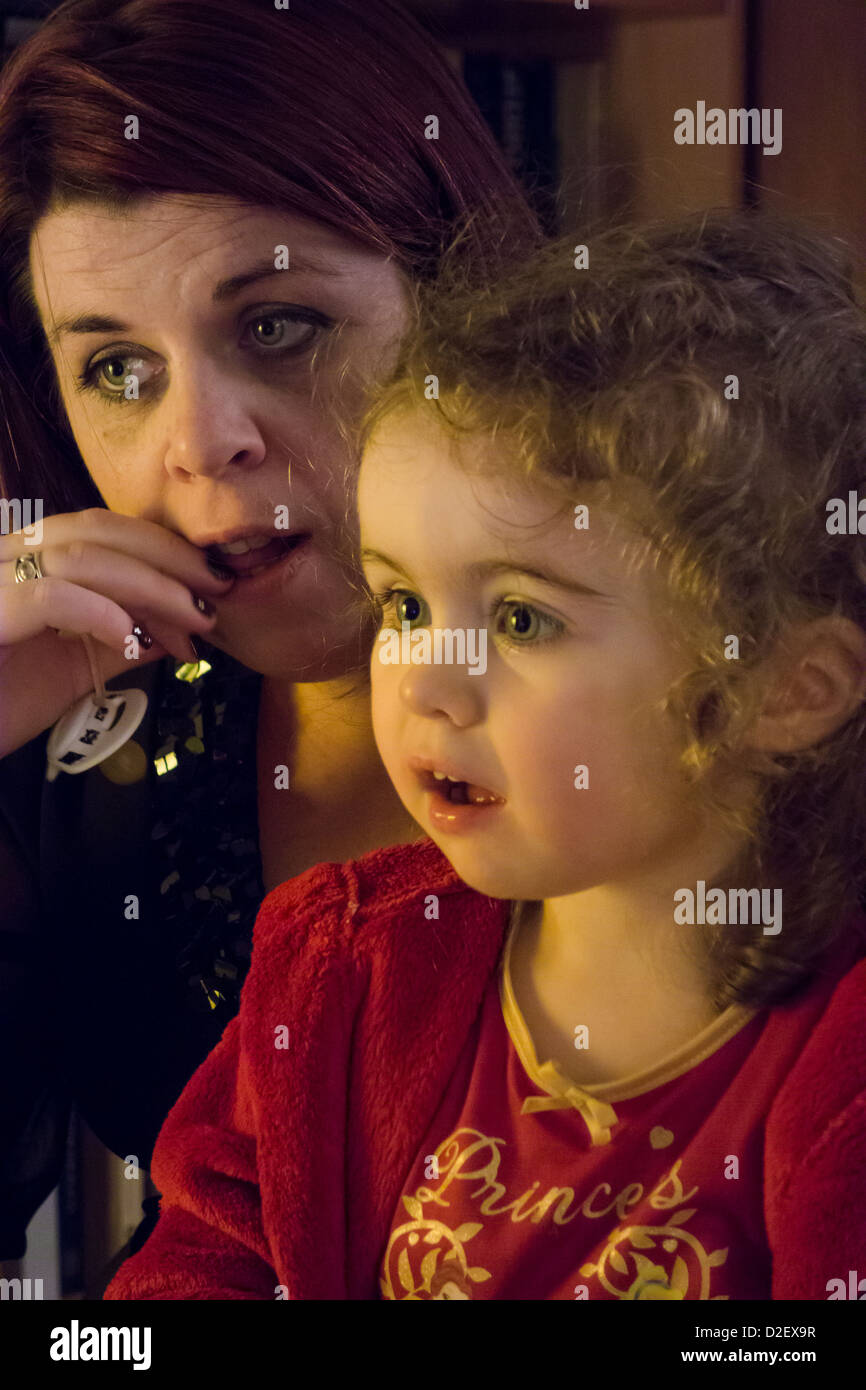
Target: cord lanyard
(95,726)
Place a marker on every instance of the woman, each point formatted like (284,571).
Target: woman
(210,218)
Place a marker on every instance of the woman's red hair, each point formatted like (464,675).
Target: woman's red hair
(319,110)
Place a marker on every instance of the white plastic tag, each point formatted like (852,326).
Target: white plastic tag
(92,729)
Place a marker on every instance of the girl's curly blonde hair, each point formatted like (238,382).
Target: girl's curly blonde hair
(621,375)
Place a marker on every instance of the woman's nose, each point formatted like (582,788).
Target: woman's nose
(209,426)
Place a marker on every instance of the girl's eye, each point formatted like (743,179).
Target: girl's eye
(401,606)
(521,623)
(518,622)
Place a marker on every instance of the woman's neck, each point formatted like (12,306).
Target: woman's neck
(335,801)
(349,689)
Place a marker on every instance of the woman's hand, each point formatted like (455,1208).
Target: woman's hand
(104,573)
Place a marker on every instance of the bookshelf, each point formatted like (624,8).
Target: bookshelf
(583,101)
(622,67)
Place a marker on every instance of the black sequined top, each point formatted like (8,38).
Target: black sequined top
(126,920)
(206,829)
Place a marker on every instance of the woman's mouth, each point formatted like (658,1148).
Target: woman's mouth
(250,556)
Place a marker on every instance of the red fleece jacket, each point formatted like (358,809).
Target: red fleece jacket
(283,1165)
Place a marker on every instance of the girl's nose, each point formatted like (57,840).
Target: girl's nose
(444,690)
(209,427)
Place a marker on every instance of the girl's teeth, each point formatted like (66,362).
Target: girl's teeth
(461,793)
(478,797)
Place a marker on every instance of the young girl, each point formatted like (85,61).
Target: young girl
(623,1062)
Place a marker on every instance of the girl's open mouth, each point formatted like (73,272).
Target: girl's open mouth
(456,806)
(458,793)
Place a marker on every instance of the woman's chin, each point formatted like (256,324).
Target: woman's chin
(283,650)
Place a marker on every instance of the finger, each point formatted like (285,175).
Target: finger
(155,545)
(111,664)
(29,609)
(116,652)
(165,642)
(171,640)
(132,584)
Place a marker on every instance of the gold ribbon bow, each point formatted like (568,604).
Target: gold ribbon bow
(597,1114)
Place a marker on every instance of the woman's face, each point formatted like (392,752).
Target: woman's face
(201,381)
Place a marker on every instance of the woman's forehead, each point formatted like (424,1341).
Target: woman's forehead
(212,247)
(85,230)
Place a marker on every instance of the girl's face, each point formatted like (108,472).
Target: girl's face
(238,366)
(575,672)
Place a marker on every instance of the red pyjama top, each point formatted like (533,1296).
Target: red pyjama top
(529,1187)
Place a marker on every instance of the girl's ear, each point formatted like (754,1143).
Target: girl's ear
(819,682)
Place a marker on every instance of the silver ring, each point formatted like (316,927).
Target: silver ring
(28,567)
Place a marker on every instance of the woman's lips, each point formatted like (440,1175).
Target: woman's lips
(257,589)
(252,560)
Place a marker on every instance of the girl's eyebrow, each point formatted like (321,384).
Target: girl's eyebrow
(224,289)
(487,569)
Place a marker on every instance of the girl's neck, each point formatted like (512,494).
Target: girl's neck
(623,1016)
(624,937)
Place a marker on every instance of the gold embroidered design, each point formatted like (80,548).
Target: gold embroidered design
(687,1276)
(433,1276)
(426,1259)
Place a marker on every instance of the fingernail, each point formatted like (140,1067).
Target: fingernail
(203,606)
(144,638)
(220,571)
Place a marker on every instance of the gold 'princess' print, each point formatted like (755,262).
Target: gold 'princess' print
(427,1259)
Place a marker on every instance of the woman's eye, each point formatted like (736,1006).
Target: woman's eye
(275,332)
(284,331)
(521,623)
(113,370)
(117,377)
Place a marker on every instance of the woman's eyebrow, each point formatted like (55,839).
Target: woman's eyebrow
(224,289)
(299,265)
